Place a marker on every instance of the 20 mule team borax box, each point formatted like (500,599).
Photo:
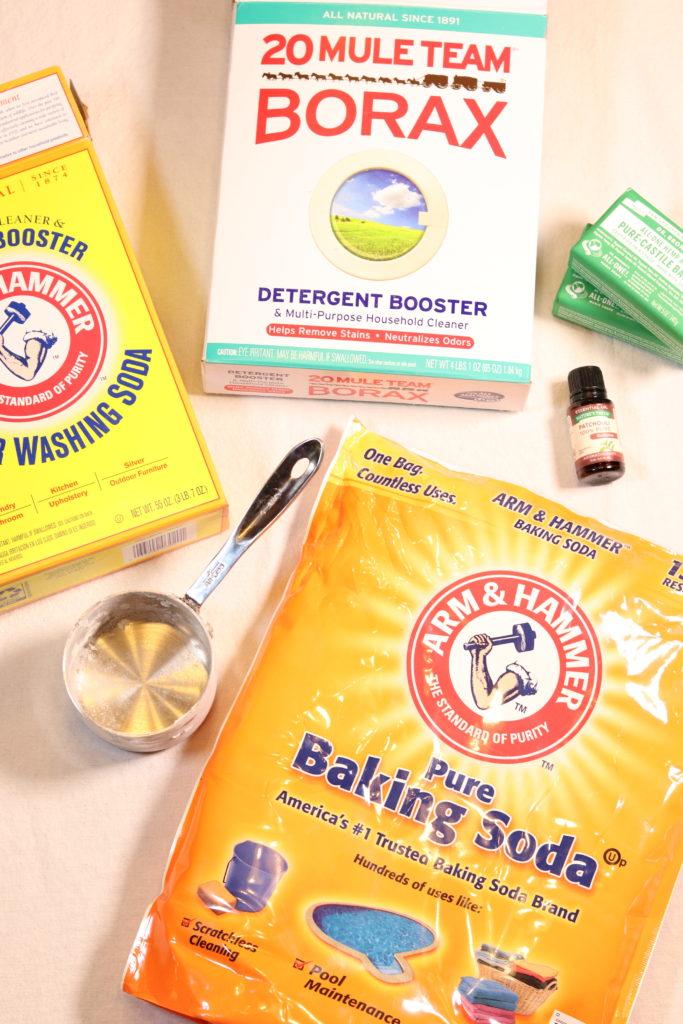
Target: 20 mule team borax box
(376,234)
(101,459)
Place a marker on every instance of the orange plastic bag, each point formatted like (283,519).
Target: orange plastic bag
(450,789)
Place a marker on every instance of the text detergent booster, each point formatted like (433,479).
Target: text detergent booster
(380,167)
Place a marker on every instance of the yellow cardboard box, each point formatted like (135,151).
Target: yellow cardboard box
(101,459)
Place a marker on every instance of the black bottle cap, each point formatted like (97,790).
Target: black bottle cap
(586,381)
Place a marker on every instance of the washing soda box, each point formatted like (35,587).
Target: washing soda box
(101,459)
(377,222)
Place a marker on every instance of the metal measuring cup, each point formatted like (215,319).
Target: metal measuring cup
(137,665)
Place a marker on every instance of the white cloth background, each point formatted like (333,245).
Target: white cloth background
(87,828)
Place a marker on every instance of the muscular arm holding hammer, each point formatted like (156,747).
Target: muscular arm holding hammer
(515,681)
(36,345)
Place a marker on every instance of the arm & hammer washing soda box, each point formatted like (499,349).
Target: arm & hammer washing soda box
(101,459)
(377,223)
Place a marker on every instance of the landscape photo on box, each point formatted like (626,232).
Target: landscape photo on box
(389,157)
(93,477)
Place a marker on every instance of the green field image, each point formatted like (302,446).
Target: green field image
(378,214)
(374,241)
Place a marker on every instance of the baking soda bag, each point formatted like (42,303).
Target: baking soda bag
(450,788)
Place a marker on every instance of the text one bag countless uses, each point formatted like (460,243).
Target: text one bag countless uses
(450,789)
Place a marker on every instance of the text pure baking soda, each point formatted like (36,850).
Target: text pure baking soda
(450,788)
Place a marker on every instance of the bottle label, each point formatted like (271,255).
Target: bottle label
(594,434)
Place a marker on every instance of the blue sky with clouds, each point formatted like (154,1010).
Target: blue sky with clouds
(382,195)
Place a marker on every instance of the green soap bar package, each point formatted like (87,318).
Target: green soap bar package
(581,303)
(634,255)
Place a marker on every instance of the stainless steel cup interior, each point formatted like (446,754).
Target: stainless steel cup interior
(137,667)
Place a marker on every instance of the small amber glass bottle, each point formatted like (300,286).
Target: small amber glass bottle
(593,428)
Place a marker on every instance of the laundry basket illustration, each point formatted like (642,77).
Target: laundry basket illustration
(533,983)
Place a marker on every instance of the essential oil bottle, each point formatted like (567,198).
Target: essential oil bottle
(593,428)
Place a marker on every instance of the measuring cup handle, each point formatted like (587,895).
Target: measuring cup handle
(279,490)
(277,493)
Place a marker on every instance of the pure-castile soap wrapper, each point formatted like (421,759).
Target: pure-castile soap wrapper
(582,303)
(451,784)
(634,255)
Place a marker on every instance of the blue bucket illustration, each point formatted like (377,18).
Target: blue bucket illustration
(252,874)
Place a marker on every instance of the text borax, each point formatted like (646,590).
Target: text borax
(333,111)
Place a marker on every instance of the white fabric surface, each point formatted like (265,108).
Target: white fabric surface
(87,828)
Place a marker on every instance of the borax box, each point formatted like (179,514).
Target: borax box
(376,234)
(101,460)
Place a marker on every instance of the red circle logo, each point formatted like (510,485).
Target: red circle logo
(504,666)
(52,340)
